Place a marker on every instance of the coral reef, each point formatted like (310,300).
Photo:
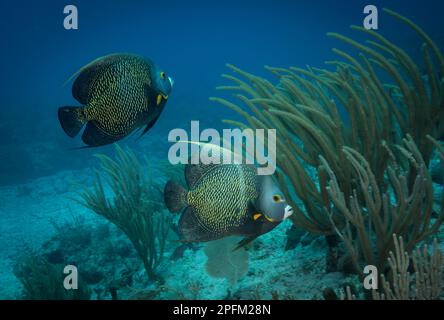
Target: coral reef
(110,266)
(428,274)
(424,284)
(369,142)
(43,280)
(372,216)
(359,159)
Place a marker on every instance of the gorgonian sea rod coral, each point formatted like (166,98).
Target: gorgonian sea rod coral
(128,197)
(348,125)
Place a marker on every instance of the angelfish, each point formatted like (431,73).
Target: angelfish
(225,200)
(119,93)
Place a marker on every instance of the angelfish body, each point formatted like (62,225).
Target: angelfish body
(118,93)
(225,200)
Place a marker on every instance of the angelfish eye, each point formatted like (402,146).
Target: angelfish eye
(277,198)
(162,75)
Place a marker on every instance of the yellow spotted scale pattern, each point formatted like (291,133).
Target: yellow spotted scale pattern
(117,96)
(220,198)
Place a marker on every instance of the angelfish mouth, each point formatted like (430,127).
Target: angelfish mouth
(161,96)
(288,212)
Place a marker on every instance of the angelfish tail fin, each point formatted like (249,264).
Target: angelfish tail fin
(175,196)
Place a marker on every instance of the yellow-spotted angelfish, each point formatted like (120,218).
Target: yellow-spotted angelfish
(226,200)
(119,93)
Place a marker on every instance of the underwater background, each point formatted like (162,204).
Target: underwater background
(41,175)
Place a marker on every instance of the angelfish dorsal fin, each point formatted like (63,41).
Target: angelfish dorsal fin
(87,75)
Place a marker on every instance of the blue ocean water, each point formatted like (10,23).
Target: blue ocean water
(191,40)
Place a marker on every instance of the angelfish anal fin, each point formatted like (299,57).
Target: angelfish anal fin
(191,229)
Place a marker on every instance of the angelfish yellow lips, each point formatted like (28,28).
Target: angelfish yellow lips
(159,98)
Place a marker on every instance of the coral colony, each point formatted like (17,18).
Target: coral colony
(355,149)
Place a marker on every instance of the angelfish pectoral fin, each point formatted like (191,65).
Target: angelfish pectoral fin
(256,216)
(149,126)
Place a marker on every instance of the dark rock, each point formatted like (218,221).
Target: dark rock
(92,276)
(102,231)
(345,265)
(180,250)
(294,236)
(329,294)
(436,171)
(124,249)
(333,253)
(308,238)
(55,256)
